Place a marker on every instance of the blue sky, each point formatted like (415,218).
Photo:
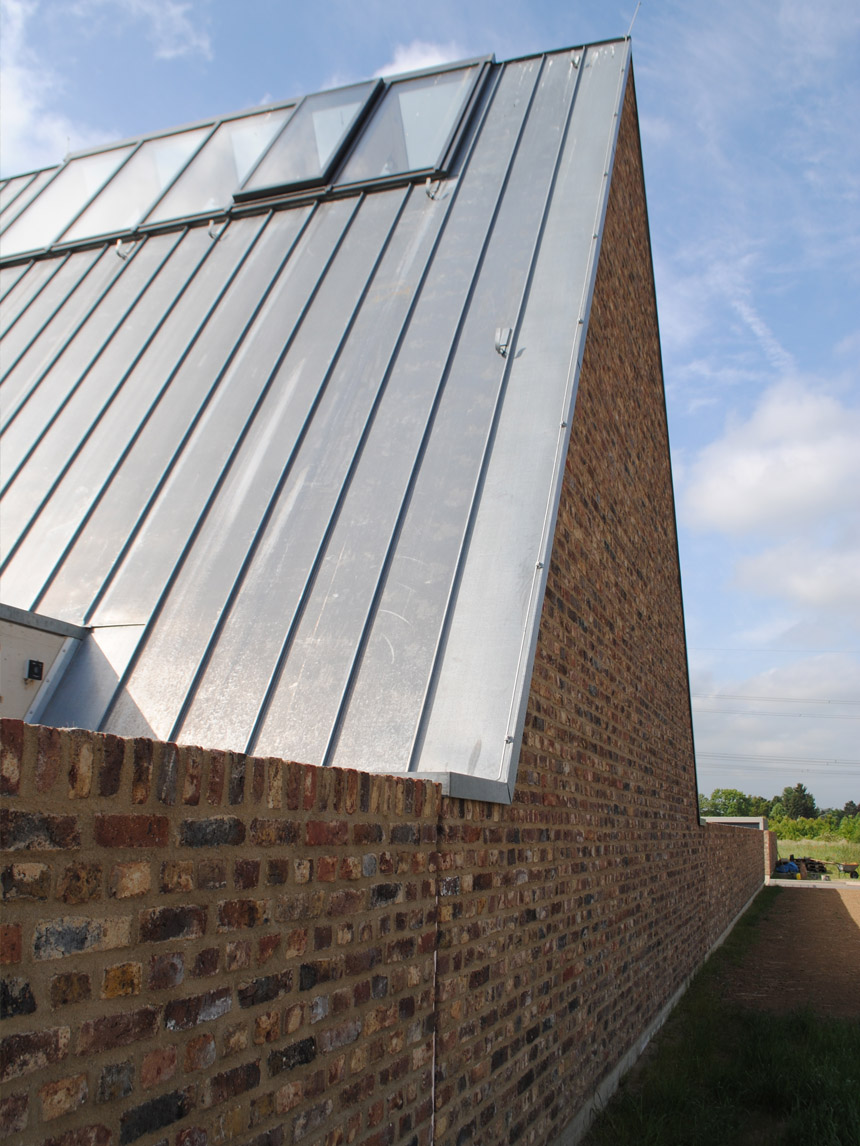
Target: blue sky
(748,112)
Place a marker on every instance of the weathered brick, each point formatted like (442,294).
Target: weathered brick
(129,880)
(122,979)
(199,1053)
(216,832)
(28,881)
(267,947)
(22,1054)
(158,924)
(16,998)
(265,989)
(192,759)
(11,751)
(182,1014)
(117,1030)
(165,971)
(69,935)
(79,883)
(48,756)
(297,1054)
(93,1135)
(339,1036)
(167,775)
(177,875)
(158,1066)
(211,874)
(155,1114)
(311,1119)
(141,773)
(269,833)
(192,1136)
(206,963)
(80,766)
(267,1027)
(116,1081)
(70,987)
(36,831)
(236,913)
(237,955)
(131,831)
(63,1096)
(14,1112)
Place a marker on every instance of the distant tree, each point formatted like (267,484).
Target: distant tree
(798,803)
(725,802)
(759,806)
(777,809)
(850,809)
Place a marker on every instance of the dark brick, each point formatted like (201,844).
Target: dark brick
(211,874)
(70,987)
(166,971)
(405,834)
(131,831)
(11,751)
(167,775)
(34,831)
(216,832)
(24,1053)
(16,998)
(246,874)
(264,989)
(384,893)
(236,790)
(115,1081)
(13,1114)
(297,1054)
(206,963)
(183,1014)
(230,1083)
(158,924)
(110,772)
(117,1030)
(319,832)
(155,1114)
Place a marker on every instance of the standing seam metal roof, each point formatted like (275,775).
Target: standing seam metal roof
(281,469)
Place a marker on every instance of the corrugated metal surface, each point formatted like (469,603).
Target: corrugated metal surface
(284,473)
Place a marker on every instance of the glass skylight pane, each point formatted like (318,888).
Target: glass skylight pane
(411,127)
(11,188)
(21,200)
(306,147)
(221,166)
(45,218)
(123,202)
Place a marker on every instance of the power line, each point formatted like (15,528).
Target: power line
(772,715)
(780,699)
(781,759)
(736,649)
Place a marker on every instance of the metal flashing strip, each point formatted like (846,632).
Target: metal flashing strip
(31,620)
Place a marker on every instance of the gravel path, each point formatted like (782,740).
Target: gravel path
(807,954)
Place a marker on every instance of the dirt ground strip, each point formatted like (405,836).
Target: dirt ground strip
(807,954)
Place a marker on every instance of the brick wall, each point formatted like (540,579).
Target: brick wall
(202,948)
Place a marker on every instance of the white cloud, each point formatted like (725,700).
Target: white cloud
(33,132)
(792,464)
(811,576)
(176,28)
(420,54)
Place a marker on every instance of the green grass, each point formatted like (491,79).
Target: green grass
(717,1075)
(841,852)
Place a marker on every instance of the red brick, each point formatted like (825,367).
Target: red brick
(13,1114)
(165,971)
(199,1053)
(11,751)
(28,881)
(234,913)
(80,882)
(70,987)
(93,1135)
(131,831)
(158,924)
(10,943)
(158,1066)
(326,832)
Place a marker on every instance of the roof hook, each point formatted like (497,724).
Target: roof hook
(503,340)
(216,235)
(124,249)
(434,190)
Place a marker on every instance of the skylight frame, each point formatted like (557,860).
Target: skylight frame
(246,194)
(449,149)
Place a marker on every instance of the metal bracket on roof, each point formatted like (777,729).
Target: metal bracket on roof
(216,235)
(434,190)
(574,59)
(124,249)
(503,340)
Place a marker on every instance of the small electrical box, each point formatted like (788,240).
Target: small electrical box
(35,669)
